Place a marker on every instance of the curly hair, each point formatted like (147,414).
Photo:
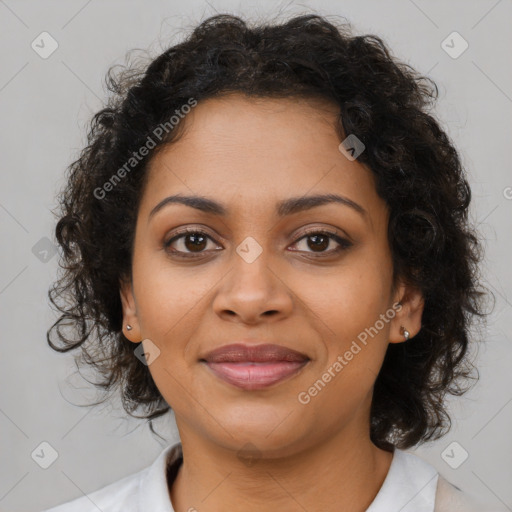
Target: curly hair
(417,169)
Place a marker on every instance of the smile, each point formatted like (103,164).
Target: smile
(251,375)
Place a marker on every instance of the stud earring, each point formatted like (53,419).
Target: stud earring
(404,332)
(128,327)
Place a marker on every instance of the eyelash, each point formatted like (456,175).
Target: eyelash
(344,243)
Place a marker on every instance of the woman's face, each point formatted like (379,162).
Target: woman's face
(255,275)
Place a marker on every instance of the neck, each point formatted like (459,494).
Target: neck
(342,472)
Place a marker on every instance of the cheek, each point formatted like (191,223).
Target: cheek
(167,297)
(351,299)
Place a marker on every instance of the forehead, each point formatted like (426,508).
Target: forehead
(256,151)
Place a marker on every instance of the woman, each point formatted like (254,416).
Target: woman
(268,233)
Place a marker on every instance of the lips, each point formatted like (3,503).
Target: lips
(265,353)
(254,366)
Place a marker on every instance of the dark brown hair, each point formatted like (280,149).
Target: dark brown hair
(418,172)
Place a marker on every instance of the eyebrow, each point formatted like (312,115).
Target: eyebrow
(283,208)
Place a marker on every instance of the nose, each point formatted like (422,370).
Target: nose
(253,292)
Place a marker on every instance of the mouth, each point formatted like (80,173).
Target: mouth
(252,367)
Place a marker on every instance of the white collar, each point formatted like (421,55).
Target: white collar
(409,486)
(153,493)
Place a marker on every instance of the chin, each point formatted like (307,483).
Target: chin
(273,436)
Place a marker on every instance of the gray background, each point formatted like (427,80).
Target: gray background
(45,104)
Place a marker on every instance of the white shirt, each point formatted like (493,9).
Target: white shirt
(411,485)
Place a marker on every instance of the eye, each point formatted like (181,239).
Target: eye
(193,240)
(320,240)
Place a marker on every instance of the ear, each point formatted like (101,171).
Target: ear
(129,311)
(409,315)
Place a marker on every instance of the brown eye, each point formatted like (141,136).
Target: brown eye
(319,241)
(194,242)
(189,241)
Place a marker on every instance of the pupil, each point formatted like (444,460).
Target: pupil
(320,245)
(196,244)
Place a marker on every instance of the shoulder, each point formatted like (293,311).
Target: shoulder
(409,486)
(450,498)
(146,490)
(418,486)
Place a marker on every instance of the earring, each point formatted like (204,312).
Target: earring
(128,327)
(404,332)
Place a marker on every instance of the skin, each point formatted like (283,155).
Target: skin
(249,154)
